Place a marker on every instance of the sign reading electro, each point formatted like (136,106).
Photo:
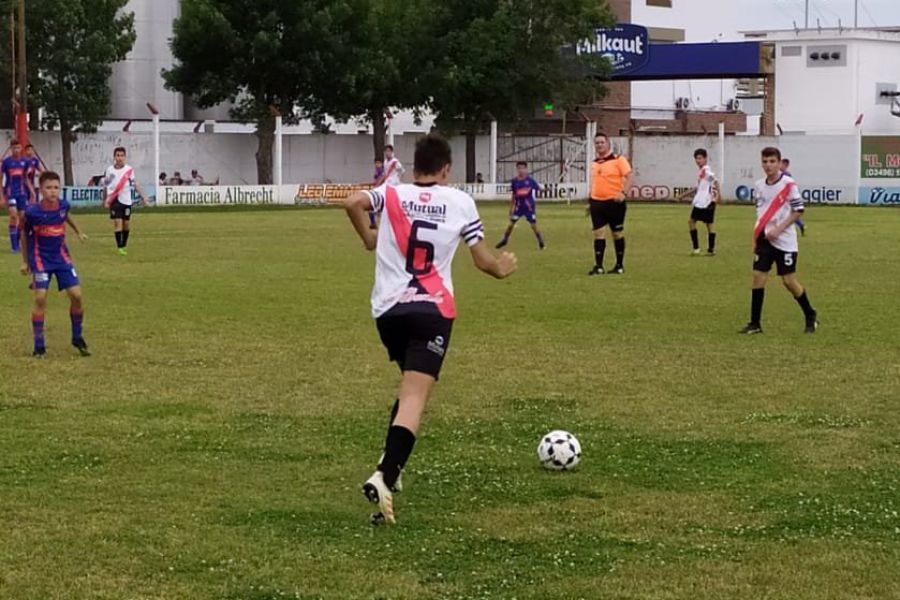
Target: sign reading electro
(626,47)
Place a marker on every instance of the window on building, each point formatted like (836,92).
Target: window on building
(664,35)
(663,3)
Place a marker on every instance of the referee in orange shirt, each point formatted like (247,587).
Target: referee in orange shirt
(610,181)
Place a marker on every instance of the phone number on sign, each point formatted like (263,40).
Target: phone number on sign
(882,172)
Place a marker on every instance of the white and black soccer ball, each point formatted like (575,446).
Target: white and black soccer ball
(559,451)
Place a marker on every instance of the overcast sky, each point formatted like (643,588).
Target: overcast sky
(780,14)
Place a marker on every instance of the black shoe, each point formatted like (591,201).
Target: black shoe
(81,346)
(596,271)
(541,246)
(751,329)
(39,352)
(617,270)
(812,324)
(501,244)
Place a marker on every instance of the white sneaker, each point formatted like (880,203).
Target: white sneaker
(377,492)
(695,252)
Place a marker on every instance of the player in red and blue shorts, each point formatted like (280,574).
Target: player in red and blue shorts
(45,256)
(524,188)
(35,167)
(16,189)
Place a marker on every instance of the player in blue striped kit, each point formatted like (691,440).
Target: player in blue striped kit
(45,256)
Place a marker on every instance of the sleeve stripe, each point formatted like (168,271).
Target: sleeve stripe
(479,235)
(478,231)
(475,222)
(376,200)
(472,227)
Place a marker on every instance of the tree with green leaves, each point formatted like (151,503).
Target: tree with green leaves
(500,59)
(72,45)
(384,73)
(265,57)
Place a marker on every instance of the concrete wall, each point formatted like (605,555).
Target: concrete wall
(231,157)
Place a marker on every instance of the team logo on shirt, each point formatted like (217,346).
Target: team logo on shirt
(425,197)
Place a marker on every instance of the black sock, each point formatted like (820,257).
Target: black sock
(695,239)
(599,251)
(393,416)
(620,252)
(712,241)
(759,295)
(125,233)
(118,239)
(803,301)
(399,446)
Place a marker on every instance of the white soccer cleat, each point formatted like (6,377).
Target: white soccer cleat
(695,252)
(398,485)
(377,492)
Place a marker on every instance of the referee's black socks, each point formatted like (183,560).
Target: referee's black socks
(119,238)
(599,251)
(695,239)
(620,252)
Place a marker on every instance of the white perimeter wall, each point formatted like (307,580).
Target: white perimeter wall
(826,167)
(232,157)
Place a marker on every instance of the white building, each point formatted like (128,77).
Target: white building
(824,80)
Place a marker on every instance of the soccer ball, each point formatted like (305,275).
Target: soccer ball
(559,451)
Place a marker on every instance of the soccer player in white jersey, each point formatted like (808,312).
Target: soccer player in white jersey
(392,168)
(118,183)
(778,206)
(706,196)
(413,299)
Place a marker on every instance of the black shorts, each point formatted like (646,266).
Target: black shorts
(704,215)
(117,210)
(416,341)
(608,212)
(766,254)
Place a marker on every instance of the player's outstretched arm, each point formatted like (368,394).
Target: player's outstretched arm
(81,235)
(500,266)
(357,206)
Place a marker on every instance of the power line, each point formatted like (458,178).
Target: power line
(866,10)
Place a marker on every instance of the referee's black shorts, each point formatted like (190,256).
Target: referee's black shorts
(608,212)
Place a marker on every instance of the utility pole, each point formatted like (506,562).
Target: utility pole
(20,58)
(855,14)
(806,19)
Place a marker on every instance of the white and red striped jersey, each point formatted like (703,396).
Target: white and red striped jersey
(392,170)
(119,184)
(421,227)
(774,204)
(705,181)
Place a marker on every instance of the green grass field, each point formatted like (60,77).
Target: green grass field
(214,444)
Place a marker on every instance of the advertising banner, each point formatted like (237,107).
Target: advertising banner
(879,196)
(880,157)
(208,195)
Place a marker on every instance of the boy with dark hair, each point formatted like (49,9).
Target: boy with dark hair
(704,204)
(413,300)
(45,256)
(118,197)
(524,188)
(778,206)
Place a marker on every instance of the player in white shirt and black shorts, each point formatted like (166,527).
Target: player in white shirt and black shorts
(703,209)
(413,298)
(118,185)
(778,206)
